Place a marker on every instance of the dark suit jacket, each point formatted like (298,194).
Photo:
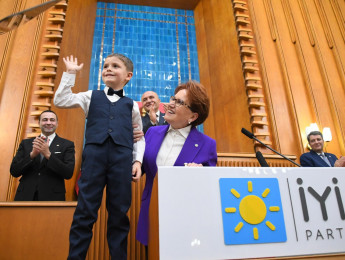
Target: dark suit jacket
(198,148)
(147,122)
(47,177)
(312,159)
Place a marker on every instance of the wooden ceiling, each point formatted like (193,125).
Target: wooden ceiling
(176,4)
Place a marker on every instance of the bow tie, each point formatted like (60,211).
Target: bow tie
(117,92)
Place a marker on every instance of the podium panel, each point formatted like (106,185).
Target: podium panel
(35,230)
(236,213)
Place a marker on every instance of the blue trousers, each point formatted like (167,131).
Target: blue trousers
(103,165)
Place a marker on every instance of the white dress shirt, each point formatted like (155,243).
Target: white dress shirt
(65,98)
(50,138)
(158,113)
(172,146)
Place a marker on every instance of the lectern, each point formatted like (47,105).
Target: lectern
(238,213)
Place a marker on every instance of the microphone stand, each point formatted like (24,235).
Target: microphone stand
(275,151)
(14,20)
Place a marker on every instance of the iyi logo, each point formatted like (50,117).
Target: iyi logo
(320,198)
(252,211)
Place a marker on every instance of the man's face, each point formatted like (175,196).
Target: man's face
(316,143)
(48,123)
(150,99)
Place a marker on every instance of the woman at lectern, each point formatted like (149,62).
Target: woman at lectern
(177,144)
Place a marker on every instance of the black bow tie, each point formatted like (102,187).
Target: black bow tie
(117,92)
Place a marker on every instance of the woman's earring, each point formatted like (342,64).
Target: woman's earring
(189,122)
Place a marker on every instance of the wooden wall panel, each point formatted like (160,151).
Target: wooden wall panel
(330,80)
(204,70)
(256,96)
(46,235)
(276,77)
(316,94)
(331,61)
(303,66)
(7,7)
(19,58)
(220,55)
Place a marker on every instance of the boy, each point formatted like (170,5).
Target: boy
(108,153)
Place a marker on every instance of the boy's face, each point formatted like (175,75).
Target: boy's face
(115,74)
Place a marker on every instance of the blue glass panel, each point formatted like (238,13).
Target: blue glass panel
(100,5)
(148,36)
(181,12)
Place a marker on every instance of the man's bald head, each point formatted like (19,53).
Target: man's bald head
(149,99)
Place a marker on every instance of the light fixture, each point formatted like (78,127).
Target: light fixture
(312,127)
(327,135)
(326,132)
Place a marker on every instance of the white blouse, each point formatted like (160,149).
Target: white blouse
(172,145)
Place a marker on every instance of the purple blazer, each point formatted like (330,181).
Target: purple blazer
(198,148)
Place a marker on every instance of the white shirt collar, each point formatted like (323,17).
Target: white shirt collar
(106,90)
(50,137)
(183,131)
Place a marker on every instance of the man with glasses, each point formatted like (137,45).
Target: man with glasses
(153,116)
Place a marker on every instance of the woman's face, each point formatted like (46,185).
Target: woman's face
(180,116)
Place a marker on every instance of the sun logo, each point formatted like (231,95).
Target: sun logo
(252,211)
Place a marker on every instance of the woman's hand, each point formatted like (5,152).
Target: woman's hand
(193,164)
(137,134)
(136,171)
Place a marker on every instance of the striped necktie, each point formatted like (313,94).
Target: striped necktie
(323,156)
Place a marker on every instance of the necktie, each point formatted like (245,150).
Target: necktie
(48,141)
(117,92)
(325,159)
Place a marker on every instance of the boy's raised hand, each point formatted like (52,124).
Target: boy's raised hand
(72,64)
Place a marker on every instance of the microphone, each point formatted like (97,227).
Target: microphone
(252,136)
(261,159)
(247,133)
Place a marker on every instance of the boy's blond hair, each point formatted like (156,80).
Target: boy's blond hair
(127,61)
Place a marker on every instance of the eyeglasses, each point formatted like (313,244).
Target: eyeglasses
(179,102)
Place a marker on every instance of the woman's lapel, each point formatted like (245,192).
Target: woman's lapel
(191,148)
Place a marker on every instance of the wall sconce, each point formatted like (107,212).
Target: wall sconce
(326,132)
(312,127)
(327,135)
